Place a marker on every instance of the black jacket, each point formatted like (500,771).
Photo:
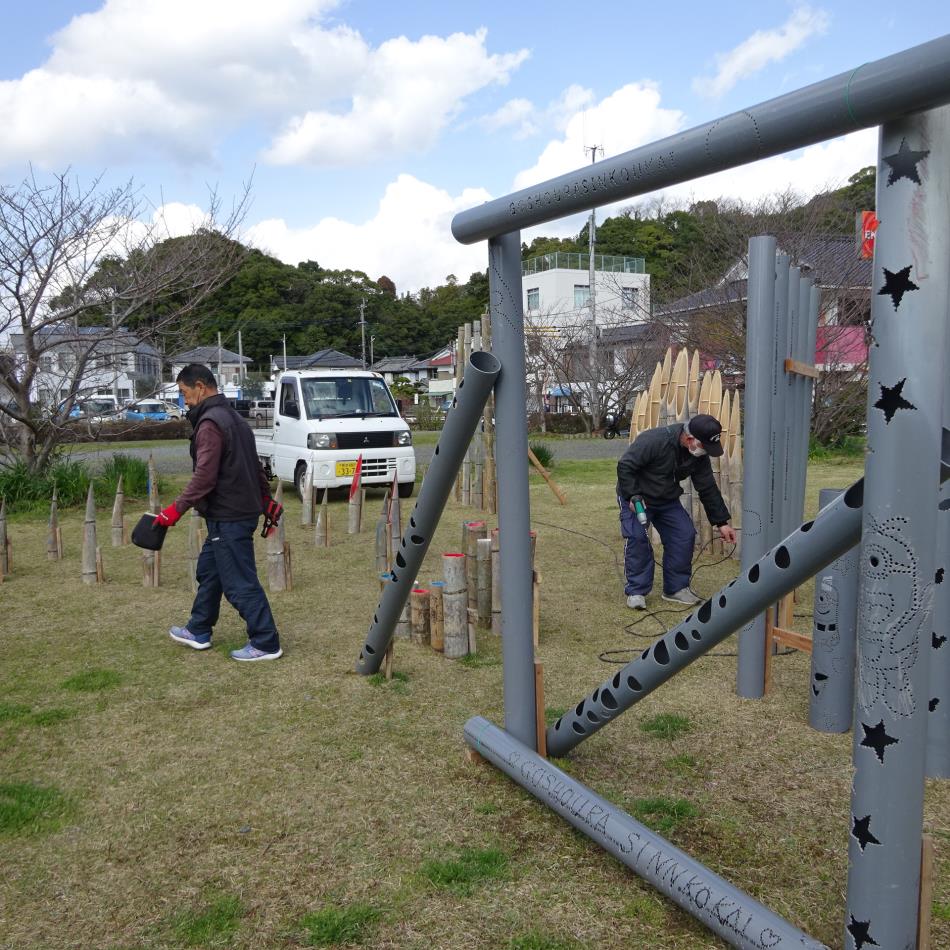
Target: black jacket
(656,463)
(237,495)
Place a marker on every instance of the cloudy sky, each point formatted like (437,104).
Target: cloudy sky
(367,125)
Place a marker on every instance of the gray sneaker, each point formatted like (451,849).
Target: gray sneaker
(684,597)
(250,654)
(184,635)
(636,602)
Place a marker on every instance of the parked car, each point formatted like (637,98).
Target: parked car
(147,410)
(241,406)
(96,409)
(262,410)
(173,410)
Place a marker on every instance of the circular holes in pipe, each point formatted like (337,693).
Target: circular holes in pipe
(400,560)
(681,642)
(369,649)
(592,717)
(695,634)
(704,612)
(607,699)
(661,653)
(578,728)
(418,539)
(782,557)
(615,682)
(634,684)
(722,601)
(753,573)
(806,527)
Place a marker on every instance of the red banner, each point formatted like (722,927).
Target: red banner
(867,230)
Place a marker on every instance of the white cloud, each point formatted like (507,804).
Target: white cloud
(760,49)
(165,77)
(629,117)
(406,95)
(519,114)
(409,238)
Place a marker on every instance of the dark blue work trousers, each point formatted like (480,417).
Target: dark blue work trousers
(678,536)
(226,566)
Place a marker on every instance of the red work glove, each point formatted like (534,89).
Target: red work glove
(272,512)
(168,516)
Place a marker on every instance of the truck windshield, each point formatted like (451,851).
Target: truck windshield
(346,396)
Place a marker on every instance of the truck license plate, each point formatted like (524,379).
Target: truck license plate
(344,469)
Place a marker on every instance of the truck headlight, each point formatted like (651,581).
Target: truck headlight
(403,438)
(321,440)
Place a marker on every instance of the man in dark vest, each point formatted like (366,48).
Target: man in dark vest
(230,490)
(648,491)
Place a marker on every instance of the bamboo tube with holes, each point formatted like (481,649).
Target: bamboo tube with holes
(118,516)
(436,619)
(4,540)
(321,536)
(419,616)
(89,543)
(274,545)
(483,574)
(495,583)
(454,606)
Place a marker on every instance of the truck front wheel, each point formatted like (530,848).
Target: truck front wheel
(406,489)
(300,475)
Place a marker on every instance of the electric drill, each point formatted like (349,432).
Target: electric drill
(640,508)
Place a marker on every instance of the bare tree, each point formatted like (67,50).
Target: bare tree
(86,287)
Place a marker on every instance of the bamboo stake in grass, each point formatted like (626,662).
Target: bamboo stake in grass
(543,472)
(495,583)
(436,616)
(355,504)
(419,616)
(54,538)
(275,545)
(484,579)
(4,540)
(89,572)
(118,516)
(321,536)
(455,606)
(194,548)
(306,506)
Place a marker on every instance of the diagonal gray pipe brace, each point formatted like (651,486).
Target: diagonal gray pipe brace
(460,425)
(732,914)
(804,552)
(912,80)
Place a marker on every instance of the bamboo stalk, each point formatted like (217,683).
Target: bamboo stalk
(4,540)
(483,573)
(454,606)
(321,536)
(419,616)
(436,616)
(475,531)
(306,506)
(274,545)
(118,516)
(89,545)
(543,472)
(194,548)
(54,538)
(495,583)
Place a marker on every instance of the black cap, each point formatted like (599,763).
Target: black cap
(708,430)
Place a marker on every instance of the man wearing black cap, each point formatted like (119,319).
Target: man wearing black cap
(648,491)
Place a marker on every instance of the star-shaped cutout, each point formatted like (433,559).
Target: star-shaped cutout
(937,642)
(860,933)
(891,400)
(876,738)
(904,163)
(896,284)
(934,703)
(861,829)
(938,575)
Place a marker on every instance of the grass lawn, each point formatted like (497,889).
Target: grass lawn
(156,797)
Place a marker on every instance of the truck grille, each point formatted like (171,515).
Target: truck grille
(376,467)
(364,440)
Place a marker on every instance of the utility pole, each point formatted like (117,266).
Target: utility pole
(285,352)
(592,299)
(372,340)
(115,358)
(240,366)
(363,331)
(220,381)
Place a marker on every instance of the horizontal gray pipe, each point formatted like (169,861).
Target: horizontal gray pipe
(732,914)
(460,425)
(803,553)
(912,80)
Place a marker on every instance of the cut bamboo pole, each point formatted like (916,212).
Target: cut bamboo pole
(275,545)
(155,505)
(483,573)
(656,390)
(288,566)
(710,536)
(100,569)
(355,504)
(194,548)
(306,505)
(925,904)
(693,393)
(89,543)
(382,545)
(4,540)
(542,726)
(321,536)
(495,583)
(54,537)
(543,472)
(454,606)
(735,473)
(536,608)
(419,616)
(118,516)
(436,616)
(472,630)
(395,517)
(475,531)
(388,659)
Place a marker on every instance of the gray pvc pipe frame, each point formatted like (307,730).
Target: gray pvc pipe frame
(756,443)
(914,79)
(812,546)
(736,917)
(514,507)
(460,424)
(833,637)
(906,377)
(775,462)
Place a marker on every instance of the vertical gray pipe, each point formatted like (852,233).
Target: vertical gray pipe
(800,556)
(740,920)
(756,446)
(466,413)
(789,382)
(834,622)
(776,460)
(514,510)
(938,719)
(910,290)
(802,425)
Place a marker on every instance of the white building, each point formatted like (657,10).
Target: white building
(556,290)
(229,368)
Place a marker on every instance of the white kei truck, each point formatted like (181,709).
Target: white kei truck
(325,419)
